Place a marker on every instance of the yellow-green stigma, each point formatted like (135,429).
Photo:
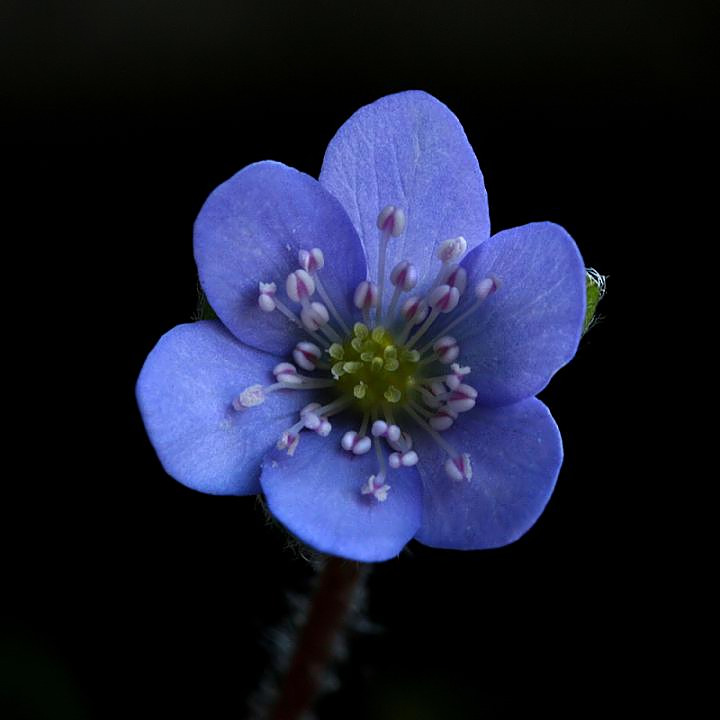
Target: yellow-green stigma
(372,370)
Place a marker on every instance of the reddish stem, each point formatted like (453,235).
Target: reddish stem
(314,650)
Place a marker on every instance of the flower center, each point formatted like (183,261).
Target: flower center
(378,367)
(373,370)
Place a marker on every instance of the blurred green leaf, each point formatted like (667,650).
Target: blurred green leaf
(595,286)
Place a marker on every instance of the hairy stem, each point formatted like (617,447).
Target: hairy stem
(329,610)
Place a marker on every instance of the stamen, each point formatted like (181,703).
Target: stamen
(366,297)
(310,419)
(448,252)
(288,379)
(483,290)
(452,379)
(457,277)
(443,299)
(334,407)
(403,444)
(314,421)
(299,285)
(312,261)
(268,301)
(250,397)
(381,429)
(458,466)
(414,311)
(424,411)
(289,441)
(452,249)
(285,372)
(404,277)
(355,443)
(406,459)
(443,419)
(446,349)
(377,487)
(391,221)
(287,375)
(460,399)
(455,378)
(307,355)
(314,317)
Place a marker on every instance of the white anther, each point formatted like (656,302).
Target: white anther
(407,459)
(377,487)
(284,368)
(392,220)
(381,429)
(320,424)
(462,398)
(444,298)
(266,299)
(459,468)
(486,287)
(402,443)
(452,249)
(325,427)
(285,372)
(250,397)
(457,277)
(443,419)
(314,316)
(354,443)
(446,349)
(312,421)
(414,310)
(437,388)
(288,441)
(366,295)
(299,285)
(306,355)
(455,378)
(404,275)
(311,260)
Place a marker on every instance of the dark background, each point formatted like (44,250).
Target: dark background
(124,593)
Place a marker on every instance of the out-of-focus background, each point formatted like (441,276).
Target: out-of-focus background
(125,594)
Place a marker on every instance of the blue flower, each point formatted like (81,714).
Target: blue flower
(374,367)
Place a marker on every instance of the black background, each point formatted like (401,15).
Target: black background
(126,594)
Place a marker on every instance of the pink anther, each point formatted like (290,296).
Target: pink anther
(446,349)
(311,260)
(299,286)
(404,275)
(307,355)
(391,220)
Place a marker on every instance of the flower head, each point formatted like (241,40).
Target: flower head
(377,353)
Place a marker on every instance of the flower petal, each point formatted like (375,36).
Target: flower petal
(185,392)
(516,453)
(316,495)
(531,326)
(408,150)
(250,230)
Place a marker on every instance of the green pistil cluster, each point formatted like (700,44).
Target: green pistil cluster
(371,369)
